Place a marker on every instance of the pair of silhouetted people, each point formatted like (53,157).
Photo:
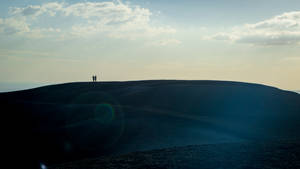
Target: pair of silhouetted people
(94,78)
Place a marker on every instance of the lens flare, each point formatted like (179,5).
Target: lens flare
(43,166)
(104,113)
(97,118)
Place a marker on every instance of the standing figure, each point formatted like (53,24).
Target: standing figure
(95,78)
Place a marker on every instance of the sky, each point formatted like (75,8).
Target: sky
(47,42)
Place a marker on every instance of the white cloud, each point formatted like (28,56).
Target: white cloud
(19,26)
(30,10)
(14,25)
(33,11)
(280,30)
(221,36)
(117,20)
(112,19)
(166,42)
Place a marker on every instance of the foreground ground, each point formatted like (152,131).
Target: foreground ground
(250,155)
(69,122)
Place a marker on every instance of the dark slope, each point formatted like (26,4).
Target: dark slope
(80,120)
(250,155)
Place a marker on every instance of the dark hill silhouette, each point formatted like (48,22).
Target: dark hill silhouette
(66,122)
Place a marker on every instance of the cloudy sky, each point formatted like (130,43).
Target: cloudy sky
(45,41)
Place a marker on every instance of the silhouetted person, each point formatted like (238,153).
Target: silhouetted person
(95,78)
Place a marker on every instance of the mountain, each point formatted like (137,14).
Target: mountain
(67,122)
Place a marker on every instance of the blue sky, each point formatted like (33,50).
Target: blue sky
(205,12)
(220,12)
(45,41)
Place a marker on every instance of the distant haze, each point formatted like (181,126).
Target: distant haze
(9,87)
